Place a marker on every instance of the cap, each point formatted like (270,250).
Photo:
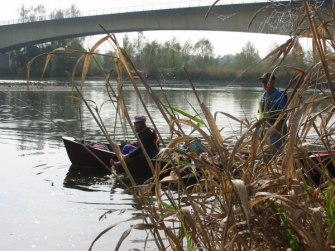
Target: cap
(266,76)
(139,118)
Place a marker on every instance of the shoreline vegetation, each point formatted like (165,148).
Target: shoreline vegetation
(241,198)
(245,66)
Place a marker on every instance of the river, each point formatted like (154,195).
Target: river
(47,204)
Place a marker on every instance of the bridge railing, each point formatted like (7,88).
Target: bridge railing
(128,9)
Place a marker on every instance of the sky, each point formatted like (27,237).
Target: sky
(223,42)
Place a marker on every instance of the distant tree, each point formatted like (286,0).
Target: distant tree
(139,43)
(311,57)
(246,57)
(65,62)
(128,46)
(203,52)
(57,14)
(19,59)
(296,57)
(30,14)
(226,60)
(171,52)
(72,11)
(186,51)
(152,56)
(24,12)
(108,63)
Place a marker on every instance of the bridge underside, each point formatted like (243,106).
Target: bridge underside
(222,18)
(4,61)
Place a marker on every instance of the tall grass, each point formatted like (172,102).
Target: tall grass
(240,198)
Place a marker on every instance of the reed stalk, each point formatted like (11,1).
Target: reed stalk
(239,198)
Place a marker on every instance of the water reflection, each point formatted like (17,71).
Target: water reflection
(88,179)
(100,180)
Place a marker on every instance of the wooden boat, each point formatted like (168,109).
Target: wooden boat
(80,156)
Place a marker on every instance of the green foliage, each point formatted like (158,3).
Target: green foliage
(293,243)
(171,51)
(73,11)
(195,118)
(247,57)
(186,51)
(31,13)
(296,58)
(171,207)
(64,62)
(128,46)
(330,206)
(203,53)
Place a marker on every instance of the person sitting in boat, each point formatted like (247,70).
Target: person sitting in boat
(148,137)
(273,101)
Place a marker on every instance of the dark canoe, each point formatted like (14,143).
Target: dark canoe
(80,156)
(323,160)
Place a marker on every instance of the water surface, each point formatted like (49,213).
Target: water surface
(48,204)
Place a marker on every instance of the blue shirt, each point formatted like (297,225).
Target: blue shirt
(276,101)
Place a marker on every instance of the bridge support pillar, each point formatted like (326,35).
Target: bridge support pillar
(4,61)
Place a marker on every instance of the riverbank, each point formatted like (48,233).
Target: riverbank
(34,88)
(90,84)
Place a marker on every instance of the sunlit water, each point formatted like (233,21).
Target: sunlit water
(47,204)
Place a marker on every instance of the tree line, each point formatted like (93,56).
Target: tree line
(158,61)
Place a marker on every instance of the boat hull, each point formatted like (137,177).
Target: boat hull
(80,156)
(321,159)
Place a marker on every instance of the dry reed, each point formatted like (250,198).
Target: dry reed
(240,198)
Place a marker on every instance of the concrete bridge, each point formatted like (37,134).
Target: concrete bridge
(224,17)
